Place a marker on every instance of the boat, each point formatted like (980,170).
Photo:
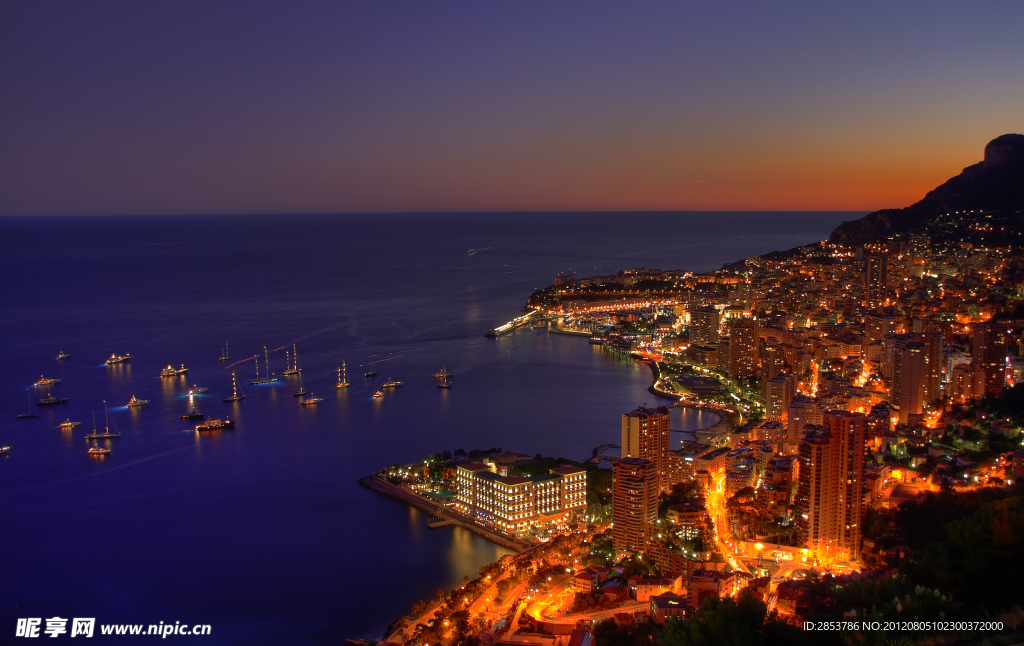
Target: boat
(196,390)
(372,372)
(4,450)
(96,450)
(116,359)
(235,395)
(61,356)
(135,402)
(377,394)
(50,400)
(309,401)
(302,389)
(390,383)
(29,414)
(215,425)
(44,381)
(294,369)
(224,354)
(67,425)
(444,383)
(192,414)
(172,372)
(442,374)
(270,378)
(106,434)
(342,377)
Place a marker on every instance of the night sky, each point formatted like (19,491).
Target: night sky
(256,107)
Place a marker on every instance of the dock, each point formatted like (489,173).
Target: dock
(511,325)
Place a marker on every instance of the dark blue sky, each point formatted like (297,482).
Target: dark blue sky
(210,107)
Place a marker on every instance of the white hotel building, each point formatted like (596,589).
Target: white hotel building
(514,503)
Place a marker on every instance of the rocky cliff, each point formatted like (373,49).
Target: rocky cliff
(997,183)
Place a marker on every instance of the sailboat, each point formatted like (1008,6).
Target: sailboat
(29,414)
(443,374)
(271,377)
(235,396)
(294,369)
(96,435)
(302,389)
(372,372)
(444,383)
(224,354)
(342,377)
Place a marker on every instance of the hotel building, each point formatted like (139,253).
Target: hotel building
(515,503)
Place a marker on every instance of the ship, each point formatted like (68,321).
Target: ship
(106,434)
(443,383)
(442,374)
(96,450)
(270,378)
(50,400)
(116,359)
(235,395)
(4,450)
(61,356)
(215,425)
(67,424)
(372,372)
(377,394)
(192,414)
(196,390)
(309,401)
(294,369)
(301,391)
(172,372)
(29,414)
(135,402)
(390,383)
(342,377)
(224,354)
(46,381)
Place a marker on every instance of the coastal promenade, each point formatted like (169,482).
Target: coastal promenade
(382,486)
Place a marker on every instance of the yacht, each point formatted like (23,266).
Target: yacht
(4,450)
(67,425)
(135,402)
(372,372)
(390,383)
(116,359)
(44,381)
(106,434)
(342,377)
(50,400)
(96,450)
(294,369)
(192,414)
(235,395)
(301,391)
(215,425)
(444,383)
(171,372)
(61,356)
(29,414)
(377,394)
(309,401)
(196,390)
(224,354)
(442,374)
(271,377)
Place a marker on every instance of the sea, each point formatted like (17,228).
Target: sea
(262,531)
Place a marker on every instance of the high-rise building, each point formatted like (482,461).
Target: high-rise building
(744,346)
(878,324)
(634,504)
(831,485)
(646,434)
(989,355)
(773,360)
(704,326)
(908,379)
(876,276)
(777,394)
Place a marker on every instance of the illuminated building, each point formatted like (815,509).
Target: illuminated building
(515,503)
(876,275)
(989,355)
(646,434)
(831,482)
(744,346)
(704,326)
(908,379)
(777,393)
(634,504)
(878,324)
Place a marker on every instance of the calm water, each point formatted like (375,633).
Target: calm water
(263,532)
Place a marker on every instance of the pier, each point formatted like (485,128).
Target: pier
(511,325)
